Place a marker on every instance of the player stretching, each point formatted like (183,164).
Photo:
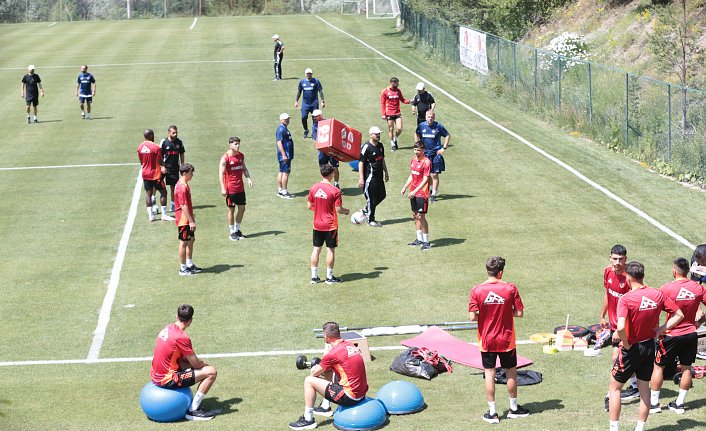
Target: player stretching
(390,98)
(230,173)
(418,183)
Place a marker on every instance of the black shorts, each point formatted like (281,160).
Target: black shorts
(185,233)
(172,177)
(683,347)
(235,199)
(335,393)
(638,360)
(181,379)
(155,185)
(419,205)
(507,359)
(330,237)
(87,99)
(392,117)
(33,101)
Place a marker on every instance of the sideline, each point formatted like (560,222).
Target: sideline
(193,24)
(104,316)
(554,159)
(27,168)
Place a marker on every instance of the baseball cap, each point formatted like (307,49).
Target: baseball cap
(308,70)
(316,113)
(30,67)
(374,130)
(420,86)
(283,116)
(275,36)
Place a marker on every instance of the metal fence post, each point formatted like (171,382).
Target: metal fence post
(590,96)
(627,108)
(514,65)
(535,75)
(669,122)
(558,81)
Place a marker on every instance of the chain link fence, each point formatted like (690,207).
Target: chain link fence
(661,124)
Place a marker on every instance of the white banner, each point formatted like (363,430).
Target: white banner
(473,52)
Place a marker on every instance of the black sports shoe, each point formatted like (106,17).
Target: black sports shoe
(333,280)
(320,411)
(186,272)
(315,280)
(306,134)
(432,198)
(491,419)
(240,235)
(36,121)
(393,146)
(676,408)
(425,246)
(629,394)
(199,415)
(414,243)
(519,412)
(606,404)
(656,408)
(195,269)
(303,424)
(234,236)
(28,120)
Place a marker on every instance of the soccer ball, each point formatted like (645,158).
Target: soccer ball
(358,217)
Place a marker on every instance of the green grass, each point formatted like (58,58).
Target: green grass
(61,228)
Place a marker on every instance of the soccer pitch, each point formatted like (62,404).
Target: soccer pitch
(62,227)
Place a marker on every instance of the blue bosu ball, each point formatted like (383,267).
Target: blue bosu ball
(401,397)
(368,414)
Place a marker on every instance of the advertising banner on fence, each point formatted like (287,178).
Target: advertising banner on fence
(473,53)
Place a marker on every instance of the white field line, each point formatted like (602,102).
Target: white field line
(97,165)
(193,24)
(207,355)
(168,63)
(52,24)
(554,159)
(104,316)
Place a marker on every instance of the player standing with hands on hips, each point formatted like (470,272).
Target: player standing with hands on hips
(418,183)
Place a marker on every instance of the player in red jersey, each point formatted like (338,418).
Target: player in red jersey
(175,364)
(185,221)
(681,341)
(325,200)
(418,183)
(230,173)
(390,99)
(638,319)
(152,170)
(495,304)
(339,377)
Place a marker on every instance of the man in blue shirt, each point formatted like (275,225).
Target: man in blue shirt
(324,158)
(430,132)
(85,90)
(311,87)
(285,154)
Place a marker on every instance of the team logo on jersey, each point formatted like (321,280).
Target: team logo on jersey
(145,150)
(647,304)
(352,351)
(321,194)
(493,298)
(685,295)
(164,334)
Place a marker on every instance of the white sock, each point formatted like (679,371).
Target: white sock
(196,402)
(284,191)
(633,382)
(419,235)
(309,413)
(614,425)
(164,209)
(89,115)
(314,272)
(149,212)
(35,117)
(433,192)
(513,403)
(83,113)
(654,397)
(237,227)
(279,189)
(425,237)
(491,407)
(639,426)
(325,404)
(682,396)
(27,116)
(189,262)
(329,272)
(182,266)
(231,227)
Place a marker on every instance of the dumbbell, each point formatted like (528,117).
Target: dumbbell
(302,362)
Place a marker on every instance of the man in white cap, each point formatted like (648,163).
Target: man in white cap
(324,158)
(422,102)
(285,154)
(312,88)
(371,169)
(279,54)
(31,90)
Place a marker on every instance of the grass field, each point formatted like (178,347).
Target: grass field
(61,227)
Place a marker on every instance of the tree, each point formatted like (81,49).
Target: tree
(674,41)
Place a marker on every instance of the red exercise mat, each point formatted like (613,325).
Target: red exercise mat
(453,349)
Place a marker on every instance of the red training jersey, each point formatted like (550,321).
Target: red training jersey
(390,101)
(172,346)
(233,176)
(641,308)
(615,286)
(687,294)
(495,303)
(150,155)
(182,196)
(324,197)
(420,169)
(347,363)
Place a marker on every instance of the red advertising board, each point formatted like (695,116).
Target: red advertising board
(338,140)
